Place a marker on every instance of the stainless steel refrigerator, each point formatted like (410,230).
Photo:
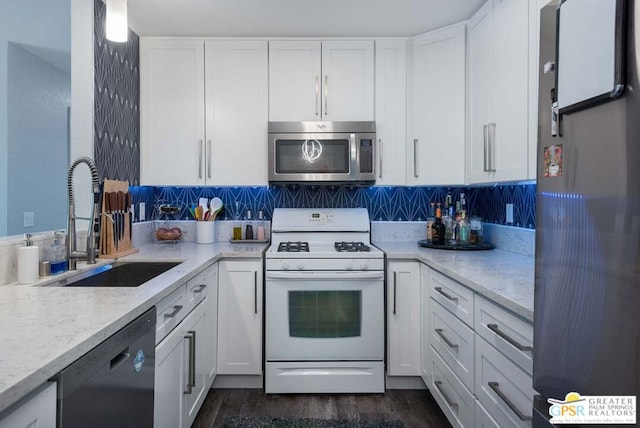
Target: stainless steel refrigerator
(587,281)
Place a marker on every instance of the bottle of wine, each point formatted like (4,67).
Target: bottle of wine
(431,220)
(438,229)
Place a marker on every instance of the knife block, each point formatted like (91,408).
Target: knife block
(116,222)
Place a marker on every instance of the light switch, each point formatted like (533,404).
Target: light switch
(509,213)
(27,219)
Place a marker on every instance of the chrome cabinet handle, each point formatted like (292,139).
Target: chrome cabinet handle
(495,386)
(200,159)
(494,328)
(200,288)
(326,94)
(415,157)
(492,149)
(191,381)
(485,142)
(448,296)
(394,293)
(317,93)
(451,404)
(255,291)
(176,309)
(209,158)
(446,340)
(380,157)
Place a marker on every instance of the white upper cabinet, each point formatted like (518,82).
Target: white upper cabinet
(435,151)
(236,112)
(312,80)
(391,111)
(171,112)
(193,136)
(498,103)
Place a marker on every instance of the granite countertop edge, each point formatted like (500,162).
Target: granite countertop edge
(501,276)
(74,334)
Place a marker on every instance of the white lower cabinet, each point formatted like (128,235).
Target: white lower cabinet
(403,317)
(454,399)
(240,317)
(184,357)
(37,411)
(502,388)
(480,356)
(425,330)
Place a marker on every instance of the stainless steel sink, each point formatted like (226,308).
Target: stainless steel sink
(119,274)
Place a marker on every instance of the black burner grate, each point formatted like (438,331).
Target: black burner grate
(351,247)
(293,247)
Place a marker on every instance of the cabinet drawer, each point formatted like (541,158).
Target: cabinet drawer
(508,333)
(454,296)
(170,311)
(502,387)
(454,342)
(483,420)
(197,289)
(454,399)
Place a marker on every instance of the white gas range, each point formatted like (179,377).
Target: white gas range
(324,313)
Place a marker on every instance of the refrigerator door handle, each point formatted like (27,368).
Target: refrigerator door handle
(494,328)
(495,386)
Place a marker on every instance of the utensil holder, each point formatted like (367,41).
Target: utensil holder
(205,232)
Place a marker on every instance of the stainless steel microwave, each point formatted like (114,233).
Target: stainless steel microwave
(322,153)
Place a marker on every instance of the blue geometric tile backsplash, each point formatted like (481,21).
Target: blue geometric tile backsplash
(383,203)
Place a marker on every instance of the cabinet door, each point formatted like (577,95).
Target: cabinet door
(194,347)
(347,80)
(170,382)
(211,329)
(294,81)
(236,110)
(391,89)
(437,140)
(511,88)
(240,318)
(425,331)
(171,112)
(39,411)
(480,92)
(403,315)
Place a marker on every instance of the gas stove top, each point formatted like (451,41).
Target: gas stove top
(351,247)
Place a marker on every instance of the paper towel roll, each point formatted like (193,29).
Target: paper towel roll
(28,259)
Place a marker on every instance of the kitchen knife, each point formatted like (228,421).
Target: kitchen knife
(121,202)
(104,245)
(114,215)
(130,216)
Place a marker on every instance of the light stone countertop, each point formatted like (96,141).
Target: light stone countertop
(46,328)
(501,276)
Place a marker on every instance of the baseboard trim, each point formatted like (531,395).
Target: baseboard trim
(238,381)
(405,382)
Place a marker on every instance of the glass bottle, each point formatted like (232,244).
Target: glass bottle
(58,257)
(463,228)
(248,234)
(430,220)
(260,234)
(438,229)
(237,224)
(475,229)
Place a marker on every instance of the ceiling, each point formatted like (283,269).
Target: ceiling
(295,18)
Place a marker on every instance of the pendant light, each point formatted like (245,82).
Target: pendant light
(117,28)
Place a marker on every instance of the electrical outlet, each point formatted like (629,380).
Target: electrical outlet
(509,213)
(27,219)
(141,211)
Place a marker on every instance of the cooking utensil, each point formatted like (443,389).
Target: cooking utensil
(204,203)
(199,213)
(215,207)
(130,216)
(113,201)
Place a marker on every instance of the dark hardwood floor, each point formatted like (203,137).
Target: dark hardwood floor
(416,408)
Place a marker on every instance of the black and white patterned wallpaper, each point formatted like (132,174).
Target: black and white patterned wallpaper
(117,103)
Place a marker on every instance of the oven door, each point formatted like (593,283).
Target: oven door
(312,157)
(324,316)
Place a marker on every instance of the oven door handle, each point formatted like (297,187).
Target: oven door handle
(325,275)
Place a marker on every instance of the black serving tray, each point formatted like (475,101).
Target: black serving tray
(457,246)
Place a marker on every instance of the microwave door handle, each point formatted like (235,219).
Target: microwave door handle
(380,157)
(355,154)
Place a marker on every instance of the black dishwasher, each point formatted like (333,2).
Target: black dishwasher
(112,385)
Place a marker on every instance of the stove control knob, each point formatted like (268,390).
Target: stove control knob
(364,266)
(348,266)
(285,265)
(300,266)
